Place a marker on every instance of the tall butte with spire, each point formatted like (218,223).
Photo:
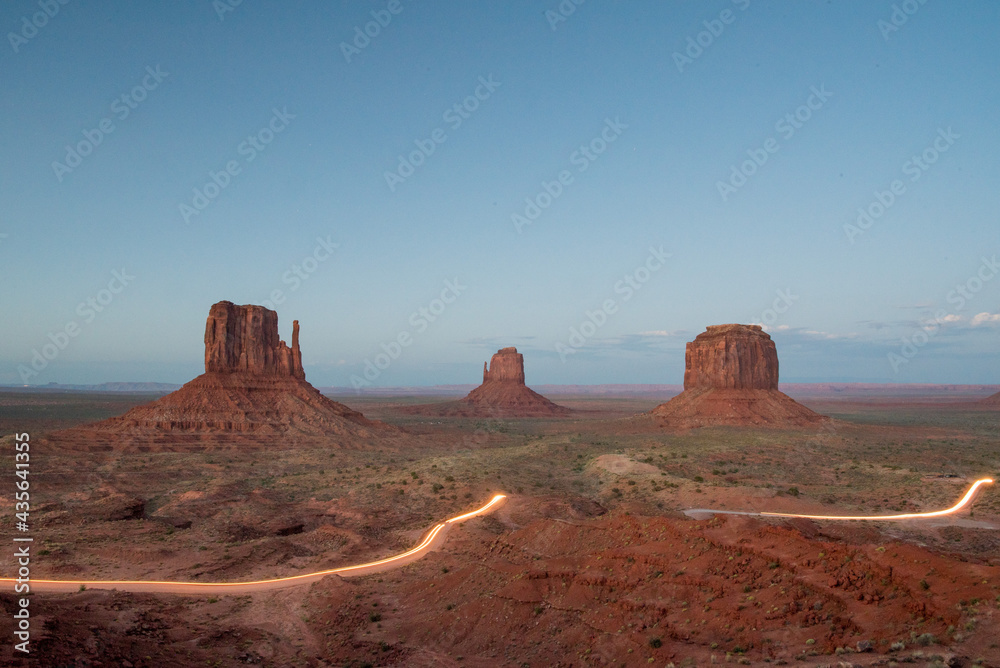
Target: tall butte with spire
(244,339)
(731,378)
(253,392)
(504,393)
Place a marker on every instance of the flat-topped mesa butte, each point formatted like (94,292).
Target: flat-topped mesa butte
(507,366)
(245,339)
(503,392)
(731,378)
(253,392)
(737,357)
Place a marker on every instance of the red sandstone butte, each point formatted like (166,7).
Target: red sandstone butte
(507,366)
(502,394)
(731,378)
(992,401)
(253,392)
(245,339)
(503,389)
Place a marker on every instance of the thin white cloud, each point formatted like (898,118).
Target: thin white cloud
(792,332)
(985,318)
(827,335)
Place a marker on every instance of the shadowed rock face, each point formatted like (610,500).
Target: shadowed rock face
(245,339)
(253,392)
(507,366)
(731,378)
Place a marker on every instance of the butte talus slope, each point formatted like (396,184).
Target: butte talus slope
(731,378)
(253,392)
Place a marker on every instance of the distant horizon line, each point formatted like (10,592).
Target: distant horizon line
(457,386)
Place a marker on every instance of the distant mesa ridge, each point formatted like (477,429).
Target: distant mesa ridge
(731,378)
(253,392)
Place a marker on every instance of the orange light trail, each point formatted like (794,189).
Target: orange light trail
(424,544)
(461,518)
(905,516)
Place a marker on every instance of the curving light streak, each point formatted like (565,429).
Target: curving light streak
(461,518)
(906,516)
(424,544)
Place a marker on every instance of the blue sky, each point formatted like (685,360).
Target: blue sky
(583,154)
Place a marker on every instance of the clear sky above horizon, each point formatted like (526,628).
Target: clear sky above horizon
(468,176)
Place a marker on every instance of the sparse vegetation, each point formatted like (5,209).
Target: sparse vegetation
(372,503)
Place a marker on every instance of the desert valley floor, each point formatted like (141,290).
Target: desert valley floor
(590,562)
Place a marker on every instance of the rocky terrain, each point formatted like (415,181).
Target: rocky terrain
(731,378)
(591,562)
(583,588)
(253,392)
